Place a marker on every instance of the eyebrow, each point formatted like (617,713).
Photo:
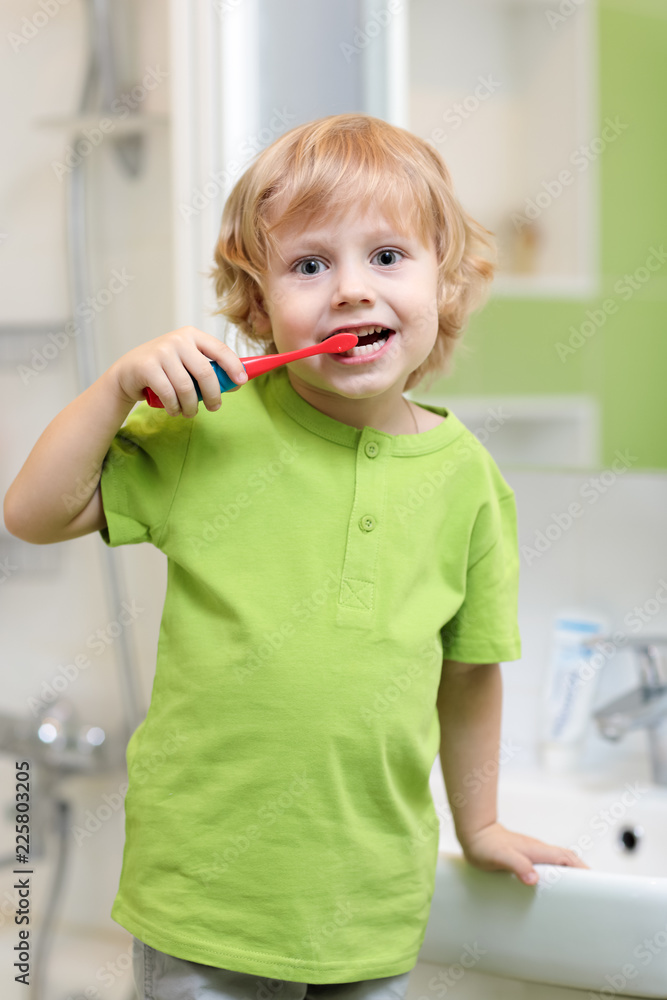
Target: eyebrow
(315,242)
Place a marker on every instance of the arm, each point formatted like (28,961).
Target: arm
(56,495)
(469,708)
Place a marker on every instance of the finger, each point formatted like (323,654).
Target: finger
(202,369)
(163,386)
(553,854)
(183,395)
(188,364)
(575,861)
(564,856)
(520,856)
(521,865)
(505,857)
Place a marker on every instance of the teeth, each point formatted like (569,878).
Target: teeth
(363,331)
(365,348)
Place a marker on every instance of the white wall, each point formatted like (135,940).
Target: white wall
(53,597)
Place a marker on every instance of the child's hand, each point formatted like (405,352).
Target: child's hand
(493,847)
(166,364)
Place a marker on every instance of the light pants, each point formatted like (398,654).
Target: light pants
(162,977)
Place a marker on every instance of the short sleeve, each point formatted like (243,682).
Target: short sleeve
(485,629)
(140,475)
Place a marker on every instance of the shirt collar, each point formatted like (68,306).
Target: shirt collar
(334,430)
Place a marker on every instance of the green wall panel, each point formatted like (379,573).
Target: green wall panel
(511,346)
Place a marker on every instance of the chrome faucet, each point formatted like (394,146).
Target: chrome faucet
(57,742)
(645,707)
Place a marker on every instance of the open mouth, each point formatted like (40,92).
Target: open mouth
(370,340)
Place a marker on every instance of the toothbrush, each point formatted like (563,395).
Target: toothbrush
(258,364)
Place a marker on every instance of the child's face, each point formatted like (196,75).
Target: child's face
(343,273)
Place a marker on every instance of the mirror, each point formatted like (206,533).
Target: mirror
(551,121)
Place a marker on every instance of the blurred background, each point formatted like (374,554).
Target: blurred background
(125,124)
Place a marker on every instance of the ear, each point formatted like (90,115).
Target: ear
(259,318)
(261,322)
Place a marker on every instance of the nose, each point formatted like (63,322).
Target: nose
(353,285)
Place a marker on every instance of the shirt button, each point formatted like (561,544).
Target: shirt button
(367,523)
(371,449)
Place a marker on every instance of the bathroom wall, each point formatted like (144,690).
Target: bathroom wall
(610,558)
(60,634)
(620,364)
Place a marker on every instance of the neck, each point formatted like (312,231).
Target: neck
(389,412)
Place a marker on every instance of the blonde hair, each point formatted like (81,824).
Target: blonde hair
(323,167)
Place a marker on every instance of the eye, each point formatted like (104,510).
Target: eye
(308,263)
(382,256)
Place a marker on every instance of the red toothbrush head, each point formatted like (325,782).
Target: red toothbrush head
(339,343)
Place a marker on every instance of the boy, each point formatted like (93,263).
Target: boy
(324,634)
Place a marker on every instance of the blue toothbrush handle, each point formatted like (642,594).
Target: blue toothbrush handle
(226,383)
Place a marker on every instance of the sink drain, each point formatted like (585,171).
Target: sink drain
(629,838)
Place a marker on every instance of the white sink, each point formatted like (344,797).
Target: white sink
(603,930)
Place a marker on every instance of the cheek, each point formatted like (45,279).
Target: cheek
(288,303)
(422,309)
(275,298)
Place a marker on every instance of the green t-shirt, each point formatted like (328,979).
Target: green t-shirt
(317,575)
